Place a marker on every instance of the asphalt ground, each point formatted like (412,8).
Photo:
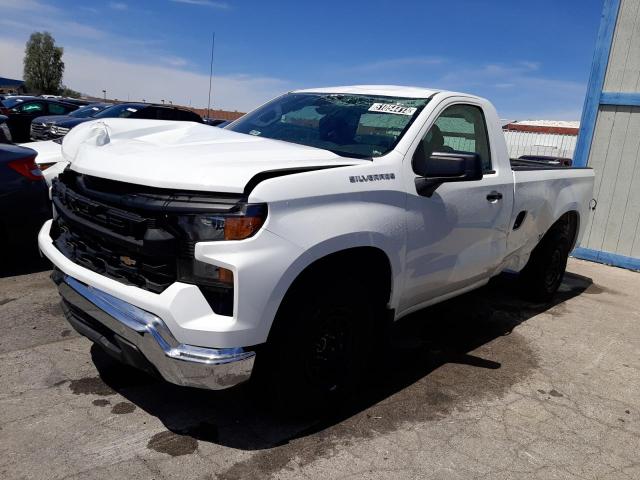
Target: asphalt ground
(484,386)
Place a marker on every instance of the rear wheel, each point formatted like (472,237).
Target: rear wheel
(319,349)
(543,274)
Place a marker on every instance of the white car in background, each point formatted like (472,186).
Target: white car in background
(49,159)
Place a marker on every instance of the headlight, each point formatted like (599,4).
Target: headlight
(213,227)
(233,226)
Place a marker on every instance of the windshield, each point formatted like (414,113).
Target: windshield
(86,112)
(13,101)
(360,126)
(116,111)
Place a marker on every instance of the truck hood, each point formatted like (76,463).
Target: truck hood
(184,155)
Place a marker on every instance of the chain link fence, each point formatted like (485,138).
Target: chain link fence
(540,141)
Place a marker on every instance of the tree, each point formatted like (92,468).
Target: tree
(43,65)
(69,92)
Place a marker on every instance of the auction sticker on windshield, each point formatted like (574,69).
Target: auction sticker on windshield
(388,108)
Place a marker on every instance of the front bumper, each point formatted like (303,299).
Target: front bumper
(141,339)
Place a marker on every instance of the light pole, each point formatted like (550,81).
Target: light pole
(104,92)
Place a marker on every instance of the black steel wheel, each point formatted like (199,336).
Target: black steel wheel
(543,274)
(317,354)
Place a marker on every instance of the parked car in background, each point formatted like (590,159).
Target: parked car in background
(50,126)
(129,110)
(49,159)
(5,134)
(24,202)
(22,110)
(214,122)
(76,101)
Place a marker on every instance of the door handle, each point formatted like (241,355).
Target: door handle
(494,196)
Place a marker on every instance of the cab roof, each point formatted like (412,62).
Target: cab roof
(382,90)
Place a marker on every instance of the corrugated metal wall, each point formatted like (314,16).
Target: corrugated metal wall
(614,227)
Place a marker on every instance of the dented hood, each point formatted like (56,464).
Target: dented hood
(183,155)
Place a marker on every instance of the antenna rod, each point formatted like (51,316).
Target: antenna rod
(213,41)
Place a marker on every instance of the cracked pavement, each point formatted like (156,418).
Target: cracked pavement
(485,386)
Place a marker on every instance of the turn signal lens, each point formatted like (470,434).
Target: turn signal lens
(239,228)
(225,276)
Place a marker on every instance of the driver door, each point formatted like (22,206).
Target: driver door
(456,238)
(21,117)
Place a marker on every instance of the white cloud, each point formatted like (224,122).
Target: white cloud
(174,61)
(90,73)
(118,5)
(40,23)
(205,3)
(28,5)
(519,90)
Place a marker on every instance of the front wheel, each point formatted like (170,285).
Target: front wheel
(318,353)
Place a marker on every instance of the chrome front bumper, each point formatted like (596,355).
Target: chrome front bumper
(138,337)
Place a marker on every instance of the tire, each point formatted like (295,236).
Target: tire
(318,352)
(543,274)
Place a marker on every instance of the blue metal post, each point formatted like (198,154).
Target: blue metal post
(596,81)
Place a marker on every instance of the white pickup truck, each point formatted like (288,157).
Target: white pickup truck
(279,246)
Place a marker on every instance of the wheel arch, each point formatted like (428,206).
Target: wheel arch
(570,221)
(363,260)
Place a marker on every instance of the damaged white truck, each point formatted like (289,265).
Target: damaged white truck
(277,248)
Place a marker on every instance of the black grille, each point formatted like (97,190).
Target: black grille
(38,129)
(121,232)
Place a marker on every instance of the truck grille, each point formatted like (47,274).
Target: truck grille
(122,231)
(121,245)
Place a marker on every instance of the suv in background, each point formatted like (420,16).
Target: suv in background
(5,134)
(22,110)
(43,128)
(145,111)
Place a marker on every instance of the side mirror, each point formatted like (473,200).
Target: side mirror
(443,167)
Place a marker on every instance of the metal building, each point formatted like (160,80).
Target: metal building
(609,139)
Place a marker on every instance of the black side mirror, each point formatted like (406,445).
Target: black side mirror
(443,167)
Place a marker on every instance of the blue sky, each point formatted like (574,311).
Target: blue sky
(531,58)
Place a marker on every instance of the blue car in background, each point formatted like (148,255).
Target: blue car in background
(53,126)
(24,205)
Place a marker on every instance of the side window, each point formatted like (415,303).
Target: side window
(189,116)
(167,114)
(57,109)
(460,128)
(147,113)
(31,108)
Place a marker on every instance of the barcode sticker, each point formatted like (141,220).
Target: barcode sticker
(389,108)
